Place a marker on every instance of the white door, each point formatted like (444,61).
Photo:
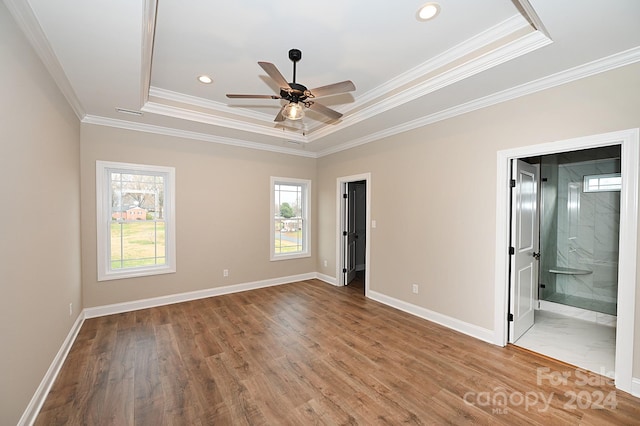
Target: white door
(349,234)
(525,252)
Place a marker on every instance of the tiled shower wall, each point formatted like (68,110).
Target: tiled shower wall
(587,232)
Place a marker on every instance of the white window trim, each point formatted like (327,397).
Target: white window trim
(306,242)
(103,220)
(588,178)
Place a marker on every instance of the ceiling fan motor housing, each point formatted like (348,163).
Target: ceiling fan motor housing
(294,93)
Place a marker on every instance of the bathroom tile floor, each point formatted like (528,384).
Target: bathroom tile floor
(582,343)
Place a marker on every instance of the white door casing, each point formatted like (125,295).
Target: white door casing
(525,243)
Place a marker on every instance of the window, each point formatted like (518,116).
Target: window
(135,220)
(290,209)
(601,183)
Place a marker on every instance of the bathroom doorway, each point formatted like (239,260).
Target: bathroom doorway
(576,291)
(629,141)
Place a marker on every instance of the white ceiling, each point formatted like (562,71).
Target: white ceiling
(145,55)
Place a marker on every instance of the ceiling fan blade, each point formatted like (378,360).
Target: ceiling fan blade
(333,89)
(325,110)
(231,95)
(280,117)
(273,72)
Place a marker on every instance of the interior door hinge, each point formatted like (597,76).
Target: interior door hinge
(344,270)
(345,195)
(512,251)
(344,233)
(510,317)
(512,183)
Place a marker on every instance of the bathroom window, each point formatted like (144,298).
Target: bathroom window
(601,183)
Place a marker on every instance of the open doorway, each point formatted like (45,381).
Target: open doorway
(624,335)
(564,266)
(353,237)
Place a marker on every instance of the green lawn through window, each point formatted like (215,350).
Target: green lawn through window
(137,243)
(288,242)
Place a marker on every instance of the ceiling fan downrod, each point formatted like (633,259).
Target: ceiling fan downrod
(295,55)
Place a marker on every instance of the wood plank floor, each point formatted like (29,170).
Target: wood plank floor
(310,353)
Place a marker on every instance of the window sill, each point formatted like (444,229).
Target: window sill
(277,257)
(135,273)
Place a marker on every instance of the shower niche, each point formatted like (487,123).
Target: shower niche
(579,232)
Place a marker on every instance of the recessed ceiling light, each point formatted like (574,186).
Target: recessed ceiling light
(205,79)
(428,11)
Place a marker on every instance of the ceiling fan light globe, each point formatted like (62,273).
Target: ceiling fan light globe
(293,111)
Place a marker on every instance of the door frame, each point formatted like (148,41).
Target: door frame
(341,183)
(629,140)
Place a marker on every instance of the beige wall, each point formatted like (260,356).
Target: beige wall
(39,220)
(433,191)
(222,212)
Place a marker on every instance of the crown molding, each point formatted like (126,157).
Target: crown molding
(618,60)
(200,117)
(169,95)
(586,70)
(533,17)
(167,131)
(459,51)
(504,53)
(592,68)
(149,14)
(28,23)
(468,47)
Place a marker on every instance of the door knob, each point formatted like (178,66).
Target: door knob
(536,255)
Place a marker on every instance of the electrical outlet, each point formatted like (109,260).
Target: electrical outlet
(225,272)
(70,309)
(414,288)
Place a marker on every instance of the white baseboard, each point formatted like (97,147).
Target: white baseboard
(635,387)
(327,279)
(449,322)
(135,305)
(32,410)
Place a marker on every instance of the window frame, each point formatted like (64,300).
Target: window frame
(586,188)
(104,219)
(306,218)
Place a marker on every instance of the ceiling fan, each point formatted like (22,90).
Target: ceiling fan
(297,94)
